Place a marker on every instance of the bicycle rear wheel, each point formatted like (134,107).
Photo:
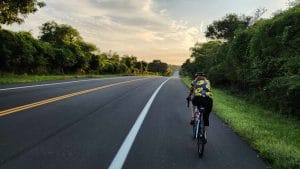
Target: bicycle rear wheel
(200,147)
(200,143)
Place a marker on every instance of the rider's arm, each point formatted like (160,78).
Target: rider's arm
(191,89)
(208,86)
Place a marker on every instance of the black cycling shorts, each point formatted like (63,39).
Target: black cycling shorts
(205,102)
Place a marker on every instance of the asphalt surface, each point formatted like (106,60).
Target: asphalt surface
(87,130)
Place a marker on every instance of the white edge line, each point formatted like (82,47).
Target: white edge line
(121,156)
(50,84)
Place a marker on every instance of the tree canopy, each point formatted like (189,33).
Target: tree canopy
(61,50)
(12,11)
(224,29)
(52,32)
(159,67)
(260,61)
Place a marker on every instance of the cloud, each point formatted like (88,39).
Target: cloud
(134,27)
(142,28)
(149,29)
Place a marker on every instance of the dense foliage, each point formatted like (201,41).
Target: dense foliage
(61,50)
(159,67)
(225,29)
(12,11)
(261,61)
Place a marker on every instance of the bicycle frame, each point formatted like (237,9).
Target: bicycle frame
(198,122)
(198,129)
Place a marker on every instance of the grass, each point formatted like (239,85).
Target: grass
(276,138)
(11,78)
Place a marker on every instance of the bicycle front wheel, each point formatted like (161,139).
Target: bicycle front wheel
(200,140)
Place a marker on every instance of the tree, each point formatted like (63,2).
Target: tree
(260,61)
(58,34)
(141,66)
(293,3)
(204,54)
(257,15)
(144,66)
(48,31)
(87,47)
(129,61)
(94,62)
(12,11)
(158,67)
(224,29)
(188,68)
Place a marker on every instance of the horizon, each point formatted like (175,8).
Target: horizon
(150,30)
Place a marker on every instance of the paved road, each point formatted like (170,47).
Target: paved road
(86,131)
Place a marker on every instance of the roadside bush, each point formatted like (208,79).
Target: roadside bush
(261,62)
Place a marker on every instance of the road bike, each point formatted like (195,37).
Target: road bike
(198,130)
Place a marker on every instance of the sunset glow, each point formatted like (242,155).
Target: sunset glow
(148,29)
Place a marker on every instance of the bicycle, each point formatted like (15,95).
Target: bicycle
(198,128)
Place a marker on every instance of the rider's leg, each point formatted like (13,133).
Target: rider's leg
(206,123)
(205,131)
(193,115)
(193,111)
(208,108)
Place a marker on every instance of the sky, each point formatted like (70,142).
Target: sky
(148,29)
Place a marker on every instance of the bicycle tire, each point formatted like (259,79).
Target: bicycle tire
(200,148)
(200,144)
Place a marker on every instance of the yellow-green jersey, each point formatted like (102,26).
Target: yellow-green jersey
(201,88)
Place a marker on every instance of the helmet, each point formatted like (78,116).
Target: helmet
(200,74)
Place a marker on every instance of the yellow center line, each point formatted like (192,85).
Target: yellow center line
(39,103)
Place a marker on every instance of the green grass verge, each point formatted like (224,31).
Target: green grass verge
(12,79)
(276,138)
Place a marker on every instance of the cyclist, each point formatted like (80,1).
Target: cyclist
(202,96)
